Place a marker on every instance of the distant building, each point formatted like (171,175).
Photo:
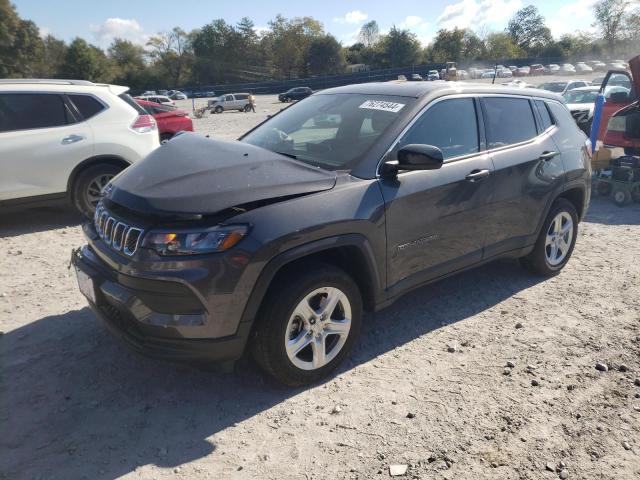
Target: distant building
(357,67)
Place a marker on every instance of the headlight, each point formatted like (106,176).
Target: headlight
(217,239)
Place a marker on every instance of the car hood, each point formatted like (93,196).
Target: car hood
(192,174)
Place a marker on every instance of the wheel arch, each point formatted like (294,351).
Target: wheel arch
(351,252)
(89,162)
(576,195)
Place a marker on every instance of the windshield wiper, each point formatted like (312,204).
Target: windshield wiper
(290,155)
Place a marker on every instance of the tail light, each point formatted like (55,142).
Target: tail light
(144,124)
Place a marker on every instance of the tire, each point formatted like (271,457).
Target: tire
(246,109)
(544,259)
(279,319)
(621,197)
(218,110)
(603,188)
(85,188)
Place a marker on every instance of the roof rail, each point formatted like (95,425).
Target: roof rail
(44,81)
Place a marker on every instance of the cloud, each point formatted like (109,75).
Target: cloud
(44,31)
(353,17)
(419,26)
(111,28)
(471,13)
(572,17)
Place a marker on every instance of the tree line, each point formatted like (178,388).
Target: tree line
(220,52)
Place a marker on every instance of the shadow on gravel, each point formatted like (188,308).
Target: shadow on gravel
(23,221)
(77,404)
(603,210)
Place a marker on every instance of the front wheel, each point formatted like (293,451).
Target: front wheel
(87,188)
(219,110)
(555,243)
(622,197)
(308,324)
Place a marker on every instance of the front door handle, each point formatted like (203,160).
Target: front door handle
(477,175)
(546,156)
(72,139)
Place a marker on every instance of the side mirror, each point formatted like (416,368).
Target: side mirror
(414,157)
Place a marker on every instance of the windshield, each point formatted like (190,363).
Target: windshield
(329,131)
(554,86)
(573,96)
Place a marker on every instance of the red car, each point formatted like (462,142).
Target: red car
(170,119)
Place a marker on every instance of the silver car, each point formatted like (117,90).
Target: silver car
(230,101)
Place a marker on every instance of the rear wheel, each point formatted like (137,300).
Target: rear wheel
(308,324)
(555,243)
(218,110)
(621,197)
(87,188)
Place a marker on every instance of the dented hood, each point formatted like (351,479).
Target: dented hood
(192,174)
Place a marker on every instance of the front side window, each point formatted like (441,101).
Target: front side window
(332,131)
(26,111)
(508,121)
(450,125)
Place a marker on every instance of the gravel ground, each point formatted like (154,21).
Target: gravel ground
(428,385)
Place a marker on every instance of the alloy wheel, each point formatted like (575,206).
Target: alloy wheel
(95,187)
(559,238)
(318,328)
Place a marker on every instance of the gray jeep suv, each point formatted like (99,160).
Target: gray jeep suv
(337,205)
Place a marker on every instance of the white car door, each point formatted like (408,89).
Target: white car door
(230,102)
(40,144)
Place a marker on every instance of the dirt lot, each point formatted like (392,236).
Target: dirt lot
(426,387)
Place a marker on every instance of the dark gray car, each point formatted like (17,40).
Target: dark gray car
(337,205)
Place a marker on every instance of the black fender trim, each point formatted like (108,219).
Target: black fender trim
(112,159)
(276,264)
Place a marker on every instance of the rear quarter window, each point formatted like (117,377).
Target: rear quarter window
(126,98)
(87,105)
(508,121)
(545,116)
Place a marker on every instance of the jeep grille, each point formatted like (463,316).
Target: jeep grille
(117,234)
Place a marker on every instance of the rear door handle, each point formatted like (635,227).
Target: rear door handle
(477,175)
(72,139)
(546,156)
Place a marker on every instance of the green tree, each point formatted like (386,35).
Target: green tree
(399,48)
(610,18)
(172,54)
(20,42)
(49,63)
(500,46)
(324,56)
(85,62)
(128,62)
(369,34)
(447,46)
(528,30)
(288,42)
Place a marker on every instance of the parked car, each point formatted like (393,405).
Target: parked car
(582,67)
(518,84)
(562,86)
(463,75)
(621,111)
(512,68)
(149,93)
(177,95)
(581,103)
(415,77)
(64,140)
(522,72)
(164,93)
(552,69)
(159,99)
(536,69)
(170,120)
(296,93)
(433,75)
(617,65)
(567,69)
(230,101)
(285,237)
(597,65)
(597,81)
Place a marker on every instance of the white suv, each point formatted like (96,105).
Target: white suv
(66,139)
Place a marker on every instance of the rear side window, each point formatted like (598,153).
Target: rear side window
(450,125)
(125,97)
(547,121)
(26,111)
(87,105)
(508,121)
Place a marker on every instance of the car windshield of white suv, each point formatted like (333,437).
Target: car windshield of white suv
(573,96)
(329,131)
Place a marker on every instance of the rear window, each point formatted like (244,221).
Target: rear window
(26,111)
(87,105)
(547,121)
(508,121)
(242,97)
(125,97)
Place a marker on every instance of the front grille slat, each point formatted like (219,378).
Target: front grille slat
(115,233)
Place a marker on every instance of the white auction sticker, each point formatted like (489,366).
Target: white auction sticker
(382,105)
